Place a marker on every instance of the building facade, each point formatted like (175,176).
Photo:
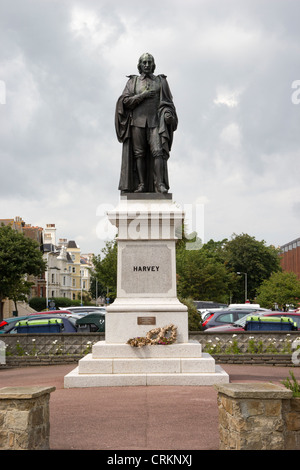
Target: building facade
(75,270)
(68,273)
(290,257)
(57,276)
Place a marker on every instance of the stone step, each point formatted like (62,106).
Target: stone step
(102,349)
(90,365)
(74,379)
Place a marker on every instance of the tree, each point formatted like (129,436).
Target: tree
(194,319)
(19,256)
(19,291)
(201,274)
(282,288)
(105,270)
(245,254)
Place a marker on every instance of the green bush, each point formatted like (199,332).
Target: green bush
(40,303)
(292,384)
(194,319)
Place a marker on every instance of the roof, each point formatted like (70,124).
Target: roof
(72,244)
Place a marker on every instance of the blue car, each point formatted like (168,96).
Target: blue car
(36,323)
(8,324)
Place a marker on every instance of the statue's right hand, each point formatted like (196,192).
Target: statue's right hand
(148,93)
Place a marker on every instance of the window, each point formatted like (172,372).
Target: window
(295,318)
(225,318)
(241,314)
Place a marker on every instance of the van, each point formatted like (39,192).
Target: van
(247,305)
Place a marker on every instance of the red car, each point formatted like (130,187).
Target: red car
(239,325)
(226,316)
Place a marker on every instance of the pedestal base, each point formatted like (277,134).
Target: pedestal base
(127,318)
(114,365)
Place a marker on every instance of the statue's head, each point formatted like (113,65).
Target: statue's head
(146,60)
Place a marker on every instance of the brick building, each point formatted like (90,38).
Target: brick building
(290,257)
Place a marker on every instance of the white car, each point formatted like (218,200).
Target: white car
(84,310)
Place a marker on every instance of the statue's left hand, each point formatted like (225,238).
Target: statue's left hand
(169,118)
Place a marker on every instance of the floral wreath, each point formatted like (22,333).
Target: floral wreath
(165,335)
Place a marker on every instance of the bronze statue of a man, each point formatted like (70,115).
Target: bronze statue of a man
(145,120)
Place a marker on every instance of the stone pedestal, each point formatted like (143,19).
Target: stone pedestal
(24,418)
(257,417)
(148,228)
(146,282)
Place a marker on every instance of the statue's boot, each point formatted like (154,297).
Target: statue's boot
(161,188)
(140,165)
(158,169)
(140,188)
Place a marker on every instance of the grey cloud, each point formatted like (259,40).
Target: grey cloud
(65,63)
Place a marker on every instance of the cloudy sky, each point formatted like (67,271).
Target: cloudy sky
(231,67)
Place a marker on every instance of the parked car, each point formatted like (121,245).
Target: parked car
(246,305)
(270,323)
(85,310)
(46,324)
(295,316)
(216,318)
(240,324)
(93,322)
(204,311)
(53,312)
(9,325)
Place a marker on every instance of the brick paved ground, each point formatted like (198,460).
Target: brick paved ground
(134,418)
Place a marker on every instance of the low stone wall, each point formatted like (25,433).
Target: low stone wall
(291,414)
(45,360)
(50,344)
(283,360)
(244,342)
(258,417)
(24,418)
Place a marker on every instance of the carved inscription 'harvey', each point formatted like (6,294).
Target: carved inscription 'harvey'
(146,268)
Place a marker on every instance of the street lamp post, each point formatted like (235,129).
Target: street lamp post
(80,287)
(246,295)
